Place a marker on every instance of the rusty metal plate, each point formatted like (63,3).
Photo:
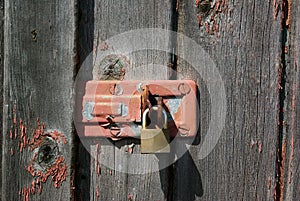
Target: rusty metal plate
(113,109)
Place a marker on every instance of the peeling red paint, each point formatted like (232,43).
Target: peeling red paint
(289,15)
(199,18)
(207,27)
(56,136)
(57,171)
(212,20)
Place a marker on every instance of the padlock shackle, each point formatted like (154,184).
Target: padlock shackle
(154,108)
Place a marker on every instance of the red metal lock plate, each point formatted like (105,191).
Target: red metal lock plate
(113,109)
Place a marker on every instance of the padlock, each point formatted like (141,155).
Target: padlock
(154,140)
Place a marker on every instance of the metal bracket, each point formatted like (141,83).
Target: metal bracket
(122,103)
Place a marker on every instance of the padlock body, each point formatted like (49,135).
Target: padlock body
(155,141)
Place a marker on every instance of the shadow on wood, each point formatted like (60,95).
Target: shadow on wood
(85,40)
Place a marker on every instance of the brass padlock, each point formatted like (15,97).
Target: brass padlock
(154,140)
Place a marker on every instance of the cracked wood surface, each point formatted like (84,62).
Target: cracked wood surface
(100,20)
(38,80)
(246,51)
(243,41)
(291,184)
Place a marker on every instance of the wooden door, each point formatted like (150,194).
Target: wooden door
(254,48)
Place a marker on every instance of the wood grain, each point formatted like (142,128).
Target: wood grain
(246,51)
(38,80)
(255,48)
(99,21)
(290,168)
(1,83)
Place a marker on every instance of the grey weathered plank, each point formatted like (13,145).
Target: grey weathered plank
(99,21)
(38,80)
(246,51)
(290,165)
(1,83)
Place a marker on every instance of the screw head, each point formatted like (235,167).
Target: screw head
(184,88)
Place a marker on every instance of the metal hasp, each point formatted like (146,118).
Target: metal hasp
(155,140)
(113,109)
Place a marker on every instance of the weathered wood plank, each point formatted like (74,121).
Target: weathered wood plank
(244,44)
(290,159)
(98,22)
(1,83)
(38,80)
